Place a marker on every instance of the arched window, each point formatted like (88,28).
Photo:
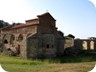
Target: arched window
(29,34)
(92,45)
(47,45)
(85,45)
(20,37)
(12,38)
(5,41)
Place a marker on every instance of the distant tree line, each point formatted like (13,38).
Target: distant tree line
(70,35)
(4,24)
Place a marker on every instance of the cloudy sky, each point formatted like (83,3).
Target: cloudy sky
(77,17)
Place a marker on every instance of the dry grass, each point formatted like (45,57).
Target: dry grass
(12,64)
(73,67)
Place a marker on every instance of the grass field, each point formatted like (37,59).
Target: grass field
(61,64)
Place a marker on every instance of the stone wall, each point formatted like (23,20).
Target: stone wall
(85,44)
(16,40)
(37,38)
(69,42)
(41,46)
(47,22)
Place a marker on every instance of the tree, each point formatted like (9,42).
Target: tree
(3,24)
(70,35)
(16,23)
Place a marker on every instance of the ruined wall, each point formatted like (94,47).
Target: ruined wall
(85,44)
(15,40)
(69,42)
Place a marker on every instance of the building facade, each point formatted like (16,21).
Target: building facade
(36,38)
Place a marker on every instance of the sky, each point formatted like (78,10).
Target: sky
(77,17)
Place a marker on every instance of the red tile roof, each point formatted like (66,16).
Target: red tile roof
(16,26)
(22,25)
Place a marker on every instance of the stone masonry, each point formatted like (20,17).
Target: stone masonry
(36,38)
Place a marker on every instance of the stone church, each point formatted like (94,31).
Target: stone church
(36,38)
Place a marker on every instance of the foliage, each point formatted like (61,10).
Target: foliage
(82,63)
(16,23)
(70,35)
(3,24)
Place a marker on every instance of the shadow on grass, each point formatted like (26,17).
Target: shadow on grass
(72,59)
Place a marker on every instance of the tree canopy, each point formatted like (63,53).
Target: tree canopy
(70,35)
(16,23)
(3,24)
